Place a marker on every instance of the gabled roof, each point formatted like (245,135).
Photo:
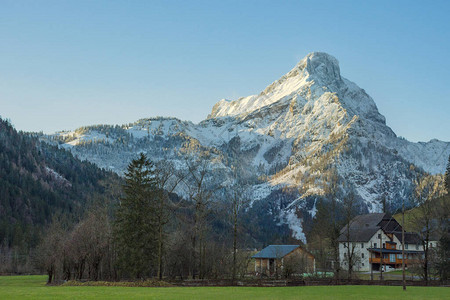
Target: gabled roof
(389,224)
(410,237)
(362,227)
(275,251)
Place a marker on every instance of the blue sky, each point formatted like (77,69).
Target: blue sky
(65,64)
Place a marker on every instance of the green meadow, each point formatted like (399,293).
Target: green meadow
(33,287)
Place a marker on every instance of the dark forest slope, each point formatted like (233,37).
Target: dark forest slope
(38,180)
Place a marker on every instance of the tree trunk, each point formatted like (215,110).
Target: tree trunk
(425,263)
(234,241)
(349,258)
(160,250)
(50,275)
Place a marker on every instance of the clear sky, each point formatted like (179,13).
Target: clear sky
(65,64)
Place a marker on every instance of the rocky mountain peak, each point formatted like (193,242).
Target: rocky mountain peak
(321,66)
(317,71)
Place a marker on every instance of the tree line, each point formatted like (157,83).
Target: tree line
(152,233)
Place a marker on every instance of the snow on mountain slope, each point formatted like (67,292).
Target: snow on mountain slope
(304,133)
(428,156)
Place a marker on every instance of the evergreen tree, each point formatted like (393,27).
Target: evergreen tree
(135,230)
(443,211)
(319,238)
(447,176)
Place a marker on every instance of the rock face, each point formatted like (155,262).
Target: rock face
(310,134)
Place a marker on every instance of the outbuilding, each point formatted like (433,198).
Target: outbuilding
(283,258)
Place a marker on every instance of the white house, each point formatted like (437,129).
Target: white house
(372,236)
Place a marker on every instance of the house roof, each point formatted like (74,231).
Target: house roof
(410,237)
(363,227)
(275,251)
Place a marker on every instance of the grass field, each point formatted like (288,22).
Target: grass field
(33,287)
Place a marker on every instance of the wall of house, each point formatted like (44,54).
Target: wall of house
(414,247)
(308,258)
(261,261)
(361,254)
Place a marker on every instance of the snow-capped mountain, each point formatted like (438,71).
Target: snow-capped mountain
(305,134)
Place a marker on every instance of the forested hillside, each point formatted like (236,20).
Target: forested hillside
(37,181)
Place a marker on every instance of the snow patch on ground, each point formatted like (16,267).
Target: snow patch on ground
(260,191)
(57,177)
(313,210)
(295,224)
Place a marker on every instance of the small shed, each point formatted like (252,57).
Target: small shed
(276,258)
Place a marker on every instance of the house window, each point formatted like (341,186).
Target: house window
(406,246)
(362,245)
(392,258)
(399,256)
(379,235)
(374,245)
(384,245)
(362,255)
(362,264)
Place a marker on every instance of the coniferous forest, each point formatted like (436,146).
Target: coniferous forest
(38,183)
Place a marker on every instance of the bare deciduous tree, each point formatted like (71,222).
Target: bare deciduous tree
(168,179)
(48,252)
(349,213)
(427,189)
(295,265)
(198,168)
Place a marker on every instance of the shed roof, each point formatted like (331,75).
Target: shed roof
(275,251)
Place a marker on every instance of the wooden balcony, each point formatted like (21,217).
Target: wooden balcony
(387,261)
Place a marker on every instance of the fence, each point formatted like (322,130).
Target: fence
(319,282)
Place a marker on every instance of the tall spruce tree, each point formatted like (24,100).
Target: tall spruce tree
(443,211)
(447,176)
(135,230)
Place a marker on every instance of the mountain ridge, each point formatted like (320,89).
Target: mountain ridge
(308,131)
